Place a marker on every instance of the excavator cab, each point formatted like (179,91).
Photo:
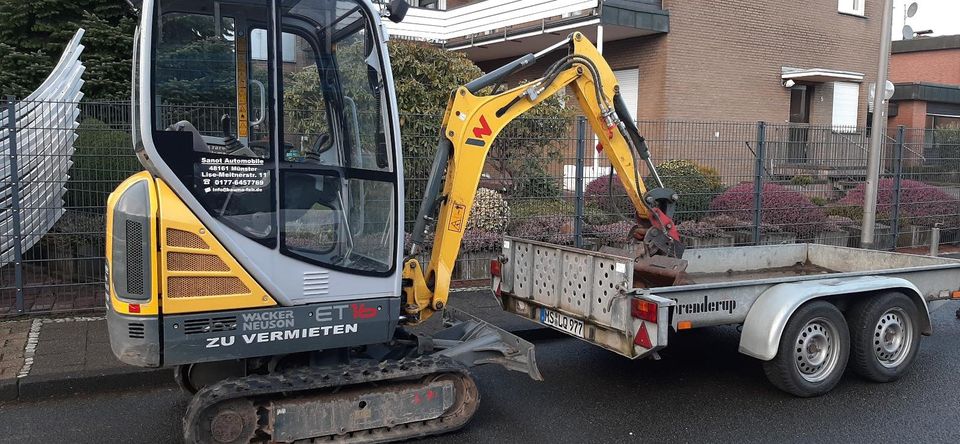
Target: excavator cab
(275,124)
(269,134)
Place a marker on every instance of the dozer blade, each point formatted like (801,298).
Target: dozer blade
(472,342)
(659,271)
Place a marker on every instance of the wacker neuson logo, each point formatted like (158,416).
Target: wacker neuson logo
(339,319)
(707,306)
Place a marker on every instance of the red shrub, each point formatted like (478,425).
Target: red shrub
(597,193)
(552,229)
(615,234)
(785,208)
(920,203)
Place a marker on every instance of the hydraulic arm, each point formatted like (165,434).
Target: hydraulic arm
(470,125)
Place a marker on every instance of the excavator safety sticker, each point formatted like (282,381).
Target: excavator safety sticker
(456,219)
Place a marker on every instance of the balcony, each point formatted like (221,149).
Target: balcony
(494,29)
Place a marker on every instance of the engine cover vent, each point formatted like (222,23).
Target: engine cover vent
(209,325)
(135,330)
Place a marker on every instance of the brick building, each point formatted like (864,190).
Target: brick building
(804,66)
(691,59)
(926,74)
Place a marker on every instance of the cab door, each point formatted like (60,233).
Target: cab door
(280,138)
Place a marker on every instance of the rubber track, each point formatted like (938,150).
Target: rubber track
(308,379)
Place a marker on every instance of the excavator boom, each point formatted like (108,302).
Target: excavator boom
(471,123)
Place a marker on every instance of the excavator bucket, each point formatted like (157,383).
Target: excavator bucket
(659,271)
(652,271)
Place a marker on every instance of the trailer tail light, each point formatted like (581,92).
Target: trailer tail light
(684,325)
(495,268)
(955,294)
(641,309)
(642,338)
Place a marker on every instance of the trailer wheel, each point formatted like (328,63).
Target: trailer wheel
(885,334)
(813,351)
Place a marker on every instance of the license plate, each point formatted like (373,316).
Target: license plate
(562,322)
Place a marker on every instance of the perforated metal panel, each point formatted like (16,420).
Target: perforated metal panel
(195,262)
(194,286)
(608,280)
(546,270)
(522,269)
(576,281)
(185,239)
(134,237)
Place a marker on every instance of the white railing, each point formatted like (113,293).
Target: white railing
(442,26)
(47,123)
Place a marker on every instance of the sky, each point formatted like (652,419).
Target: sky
(942,16)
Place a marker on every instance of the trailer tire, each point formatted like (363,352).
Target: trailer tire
(885,333)
(813,352)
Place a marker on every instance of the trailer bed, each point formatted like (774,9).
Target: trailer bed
(767,273)
(563,287)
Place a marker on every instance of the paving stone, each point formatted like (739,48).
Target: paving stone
(55,363)
(62,346)
(11,354)
(9,389)
(9,372)
(97,333)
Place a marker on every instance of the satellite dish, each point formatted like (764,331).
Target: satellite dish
(907,32)
(912,9)
(888,90)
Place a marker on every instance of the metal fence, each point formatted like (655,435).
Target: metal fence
(740,184)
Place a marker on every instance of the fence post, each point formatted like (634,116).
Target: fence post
(15,199)
(758,182)
(897,179)
(581,153)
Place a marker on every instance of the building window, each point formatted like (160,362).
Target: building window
(854,7)
(258,46)
(629,81)
(846,101)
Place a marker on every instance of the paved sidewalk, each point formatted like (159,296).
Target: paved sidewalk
(42,358)
(64,356)
(13,342)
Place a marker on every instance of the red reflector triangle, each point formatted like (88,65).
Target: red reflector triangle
(642,339)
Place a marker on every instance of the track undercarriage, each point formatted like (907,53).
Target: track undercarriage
(428,391)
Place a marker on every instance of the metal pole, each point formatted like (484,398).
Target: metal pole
(600,39)
(935,240)
(581,152)
(758,182)
(15,199)
(897,179)
(877,132)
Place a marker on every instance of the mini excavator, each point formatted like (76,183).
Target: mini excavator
(261,250)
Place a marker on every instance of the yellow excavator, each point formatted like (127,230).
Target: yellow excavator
(261,250)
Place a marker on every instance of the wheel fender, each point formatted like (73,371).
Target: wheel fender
(773,308)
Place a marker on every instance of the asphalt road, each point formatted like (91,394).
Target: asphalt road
(702,390)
